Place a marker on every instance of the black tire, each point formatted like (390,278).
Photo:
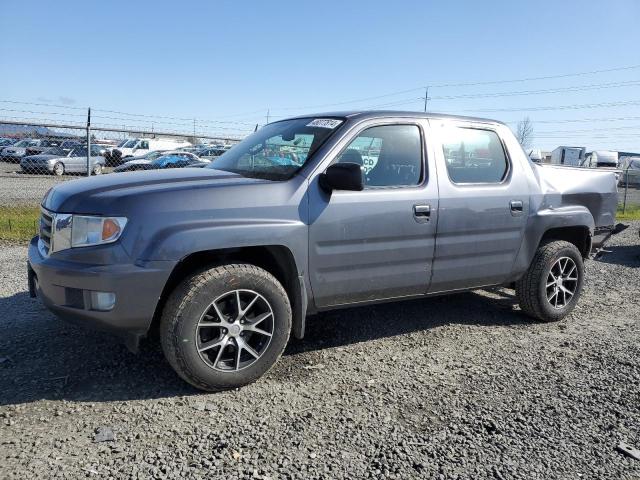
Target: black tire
(532,289)
(97,169)
(187,305)
(58,169)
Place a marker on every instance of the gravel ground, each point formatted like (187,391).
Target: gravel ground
(462,386)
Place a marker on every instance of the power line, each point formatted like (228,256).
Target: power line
(560,107)
(465,84)
(577,120)
(14,102)
(577,88)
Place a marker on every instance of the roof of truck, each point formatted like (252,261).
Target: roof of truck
(364,114)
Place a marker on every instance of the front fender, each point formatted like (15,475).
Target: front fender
(176,241)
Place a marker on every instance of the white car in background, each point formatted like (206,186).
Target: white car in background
(141,146)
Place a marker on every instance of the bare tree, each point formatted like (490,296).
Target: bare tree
(525,132)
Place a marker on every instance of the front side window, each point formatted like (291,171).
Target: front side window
(473,155)
(390,155)
(278,150)
(144,144)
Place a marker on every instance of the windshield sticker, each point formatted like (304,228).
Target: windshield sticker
(324,123)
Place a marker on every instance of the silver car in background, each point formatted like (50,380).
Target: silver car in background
(58,161)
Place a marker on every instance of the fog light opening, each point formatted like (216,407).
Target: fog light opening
(103,301)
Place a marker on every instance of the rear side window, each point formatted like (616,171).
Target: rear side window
(474,155)
(390,155)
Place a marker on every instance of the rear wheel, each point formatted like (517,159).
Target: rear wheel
(552,285)
(225,327)
(97,169)
(58,169)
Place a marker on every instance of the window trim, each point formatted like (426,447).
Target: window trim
(506,178)
(424,173)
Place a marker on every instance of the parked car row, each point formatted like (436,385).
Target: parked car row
(59,155)
(136,147)
(175,159)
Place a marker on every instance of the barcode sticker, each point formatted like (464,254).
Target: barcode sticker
(324,123)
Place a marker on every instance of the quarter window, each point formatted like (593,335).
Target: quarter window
(390,155)
(474,155)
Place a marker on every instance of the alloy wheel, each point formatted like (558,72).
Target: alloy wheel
(235,330)
(562,282)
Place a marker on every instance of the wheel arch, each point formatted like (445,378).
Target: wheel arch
(275,259)
(578,235)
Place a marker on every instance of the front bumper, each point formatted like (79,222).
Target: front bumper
(65,288)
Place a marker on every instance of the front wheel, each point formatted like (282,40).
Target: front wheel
(97,169)
(552,285)
(225,327)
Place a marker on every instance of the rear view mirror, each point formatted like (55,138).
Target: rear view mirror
(342,176)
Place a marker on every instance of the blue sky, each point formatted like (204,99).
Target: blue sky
(227,62)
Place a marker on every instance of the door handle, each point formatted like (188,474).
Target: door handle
(516,206)
(422,212)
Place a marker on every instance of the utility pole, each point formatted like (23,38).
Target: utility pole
(267,115)
(89,142)
(194,129)
(426,97)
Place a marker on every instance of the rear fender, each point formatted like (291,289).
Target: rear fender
(544,221)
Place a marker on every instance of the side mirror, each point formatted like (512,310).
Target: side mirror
(342,176)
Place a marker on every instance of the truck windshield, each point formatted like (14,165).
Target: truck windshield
(278,150)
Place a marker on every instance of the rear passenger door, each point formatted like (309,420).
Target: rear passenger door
(377,243)
(484,205)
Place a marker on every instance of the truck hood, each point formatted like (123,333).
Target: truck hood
(595,189)
(105,194)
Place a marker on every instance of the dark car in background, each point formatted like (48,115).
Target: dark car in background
(58,160)
(169,160)
(49,143)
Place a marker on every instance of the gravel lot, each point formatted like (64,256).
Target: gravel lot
(452,387)
(17,188)
(21,189)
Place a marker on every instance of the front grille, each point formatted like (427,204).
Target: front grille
(46,226)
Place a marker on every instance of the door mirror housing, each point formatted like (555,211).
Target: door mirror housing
(342,176)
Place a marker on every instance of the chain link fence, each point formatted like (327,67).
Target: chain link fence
(35,157)
(629,187)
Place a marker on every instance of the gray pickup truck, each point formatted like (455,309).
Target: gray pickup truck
(310,214)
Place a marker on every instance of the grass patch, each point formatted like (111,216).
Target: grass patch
(18,224)
(632,212)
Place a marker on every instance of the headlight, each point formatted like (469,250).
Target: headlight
(70,231)
(96,230)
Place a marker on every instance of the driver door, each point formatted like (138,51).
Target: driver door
(377,243)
